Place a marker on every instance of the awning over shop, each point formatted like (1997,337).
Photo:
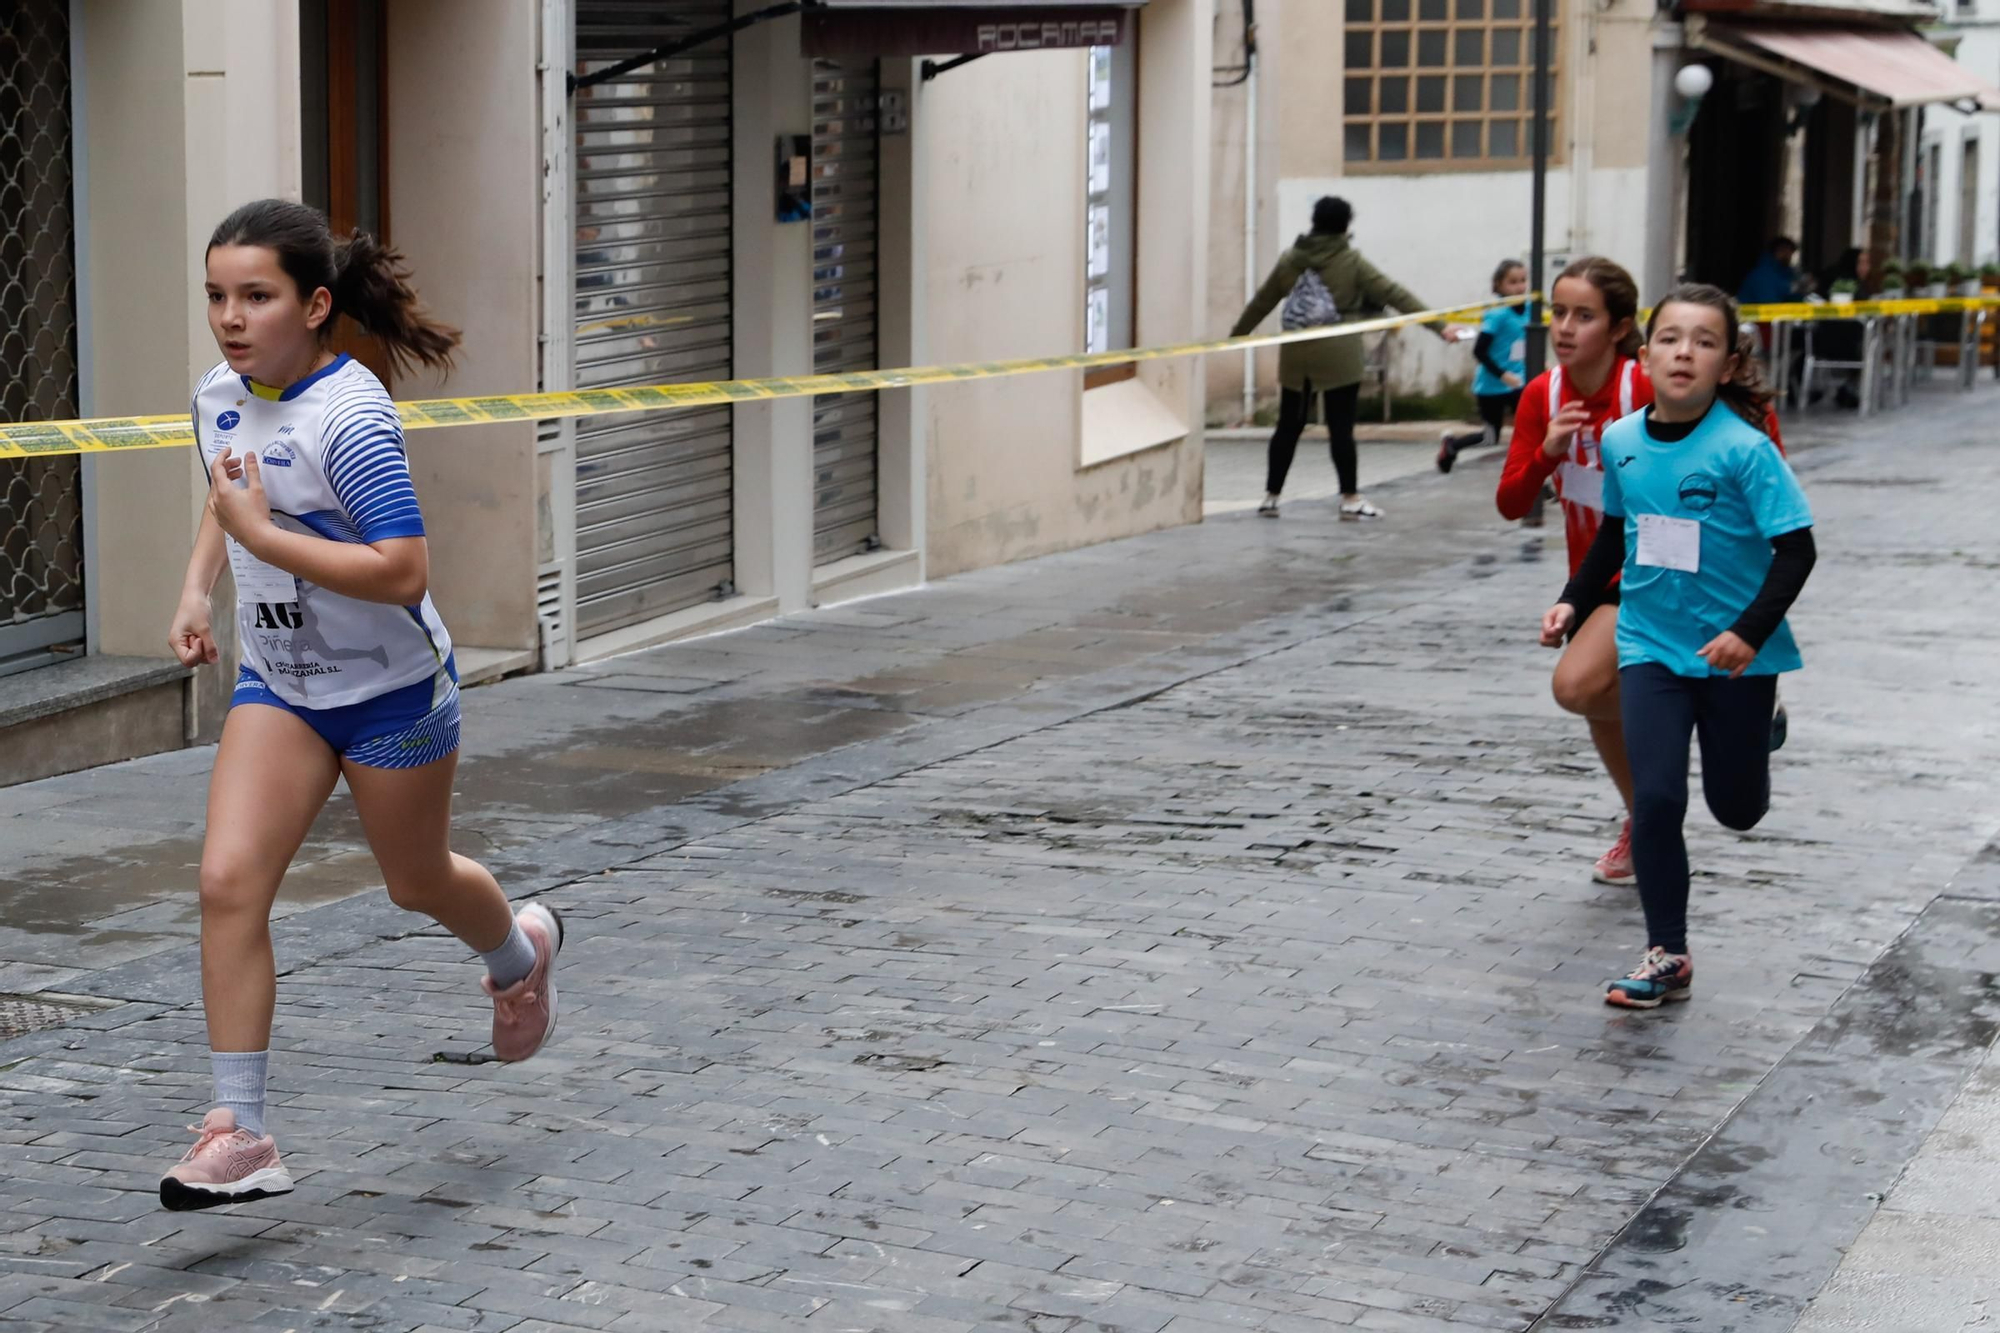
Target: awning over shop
(962,27)
(1887,68)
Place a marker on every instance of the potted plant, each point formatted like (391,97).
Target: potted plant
(1989,276)
(1843,291)
(1894,281)
(1962,280)
(1918,279)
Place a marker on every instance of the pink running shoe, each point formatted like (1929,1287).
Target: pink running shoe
(226,1165)
(1615,866)
(524,1014)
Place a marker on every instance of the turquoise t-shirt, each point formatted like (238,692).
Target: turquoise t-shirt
(1509,326)
(1714,500)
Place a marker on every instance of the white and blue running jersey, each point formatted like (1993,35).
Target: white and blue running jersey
(330,452)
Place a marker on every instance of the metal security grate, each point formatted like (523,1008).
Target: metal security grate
(655,509)
(846,154)
(22,1014)
(41,505)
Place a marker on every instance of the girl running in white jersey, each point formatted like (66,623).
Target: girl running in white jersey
(347,671)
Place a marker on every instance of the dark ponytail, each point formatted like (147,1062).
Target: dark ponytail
(1500,273)
(1746,392)
(372,288)
(368,281)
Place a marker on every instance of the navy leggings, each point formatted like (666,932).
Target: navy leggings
(1732,720)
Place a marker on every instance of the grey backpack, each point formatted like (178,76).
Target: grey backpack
(1310,306)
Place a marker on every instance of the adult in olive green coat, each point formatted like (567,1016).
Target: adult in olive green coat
(1330,367)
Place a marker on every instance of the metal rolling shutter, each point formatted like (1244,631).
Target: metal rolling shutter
(843,221)
(654,530)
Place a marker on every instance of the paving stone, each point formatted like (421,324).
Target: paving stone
(1190,934)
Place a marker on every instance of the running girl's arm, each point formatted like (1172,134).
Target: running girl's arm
(1482,352)
(377,552)
(192,635)
(1793,555)
(206,562)
(1585,592)
(1601,564)
(1528,466)
(395,572)
(1784,518)
(1275,289)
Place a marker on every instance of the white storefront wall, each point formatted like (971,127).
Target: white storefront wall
(1438,232)
(980,257)
(1950,131)
(1441,235)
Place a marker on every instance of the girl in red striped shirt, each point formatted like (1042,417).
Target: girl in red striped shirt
(1597,379)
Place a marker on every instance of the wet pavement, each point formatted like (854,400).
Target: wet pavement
(1234,463)
(1188,934)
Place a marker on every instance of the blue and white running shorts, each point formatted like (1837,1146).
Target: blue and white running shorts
(404,728)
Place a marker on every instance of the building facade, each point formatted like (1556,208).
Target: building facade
(1959,155)
(833,188)
(1418,112)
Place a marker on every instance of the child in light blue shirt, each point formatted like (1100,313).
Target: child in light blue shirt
(1711,536)
(1502,355)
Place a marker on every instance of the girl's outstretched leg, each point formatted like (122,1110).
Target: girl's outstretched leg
(406,813)
(272,776)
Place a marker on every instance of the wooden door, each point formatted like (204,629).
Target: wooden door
(344,57)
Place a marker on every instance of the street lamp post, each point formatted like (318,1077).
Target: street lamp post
(1538,258)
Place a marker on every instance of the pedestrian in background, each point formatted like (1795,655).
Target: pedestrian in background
(1501,353)
(1843,341)
(1323,280)
(1773,281)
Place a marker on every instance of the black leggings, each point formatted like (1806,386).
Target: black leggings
(1493,410)
(1293,409)
(1732,719)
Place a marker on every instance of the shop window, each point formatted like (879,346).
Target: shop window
(1441,84)
(1110,206)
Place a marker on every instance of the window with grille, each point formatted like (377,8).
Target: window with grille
(1441,84)
(1109,207)
(41,500)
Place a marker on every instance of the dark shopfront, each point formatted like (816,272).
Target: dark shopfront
(1827,109)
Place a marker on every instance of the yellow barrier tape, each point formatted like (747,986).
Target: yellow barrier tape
(48,439)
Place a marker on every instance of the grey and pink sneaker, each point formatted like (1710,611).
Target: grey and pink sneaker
(524,1014)
(1615,866)
(226,1165)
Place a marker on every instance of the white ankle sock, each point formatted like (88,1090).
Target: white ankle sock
(513,960)
(239,1085)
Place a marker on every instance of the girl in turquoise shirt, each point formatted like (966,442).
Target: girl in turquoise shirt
(1714,540)
(1502,354)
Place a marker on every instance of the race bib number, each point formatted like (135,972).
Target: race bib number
(1670,543)
(1583,486)
(1515,354)
(257,581)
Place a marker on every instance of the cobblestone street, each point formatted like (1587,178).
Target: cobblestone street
(1192,934)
